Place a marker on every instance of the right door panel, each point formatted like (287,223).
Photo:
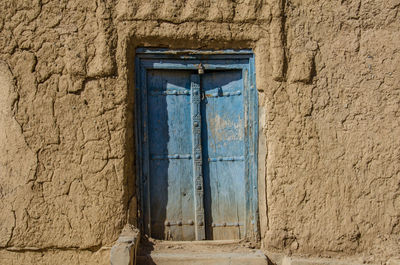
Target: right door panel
(223,142)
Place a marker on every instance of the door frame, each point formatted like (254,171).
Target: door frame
(150,58)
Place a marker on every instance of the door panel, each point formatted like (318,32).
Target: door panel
(170,148)
(194,155)
(223,154)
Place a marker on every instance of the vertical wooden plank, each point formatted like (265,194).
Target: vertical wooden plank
(247,126)
(138,141)
(253,146)
(146,178)
(197,157)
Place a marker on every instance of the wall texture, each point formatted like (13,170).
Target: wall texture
(328,73)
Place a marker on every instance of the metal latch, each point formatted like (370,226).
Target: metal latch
(200,69)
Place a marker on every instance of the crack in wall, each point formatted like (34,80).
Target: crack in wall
(12,228)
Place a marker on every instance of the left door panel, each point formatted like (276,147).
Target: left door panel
(170,214)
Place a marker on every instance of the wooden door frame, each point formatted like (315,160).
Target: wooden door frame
(148,59)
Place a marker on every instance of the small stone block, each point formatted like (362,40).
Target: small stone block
(124,250)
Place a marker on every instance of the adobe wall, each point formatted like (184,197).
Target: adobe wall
(328,75)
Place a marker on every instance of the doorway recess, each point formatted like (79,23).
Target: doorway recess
(197,125)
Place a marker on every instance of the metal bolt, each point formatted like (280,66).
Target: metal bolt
(191,222)
(200,223)
(196,124)
(197,156)
(167,223)
(179,223)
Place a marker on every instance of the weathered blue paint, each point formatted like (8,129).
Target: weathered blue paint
(223,136)
(197,144)
(169,130)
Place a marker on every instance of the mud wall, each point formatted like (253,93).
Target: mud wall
(333,149)
(328,76)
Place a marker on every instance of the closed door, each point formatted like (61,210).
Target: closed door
(170,163)
(223,154)
(195,176)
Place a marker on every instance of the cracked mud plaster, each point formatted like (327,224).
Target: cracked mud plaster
(17,161)
(328,79)
(55,256)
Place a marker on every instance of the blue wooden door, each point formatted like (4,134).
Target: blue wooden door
(170,160)
(223,154)
(197,146)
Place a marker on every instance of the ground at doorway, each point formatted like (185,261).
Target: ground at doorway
(199,252)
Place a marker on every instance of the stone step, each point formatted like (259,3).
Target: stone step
(200,253)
